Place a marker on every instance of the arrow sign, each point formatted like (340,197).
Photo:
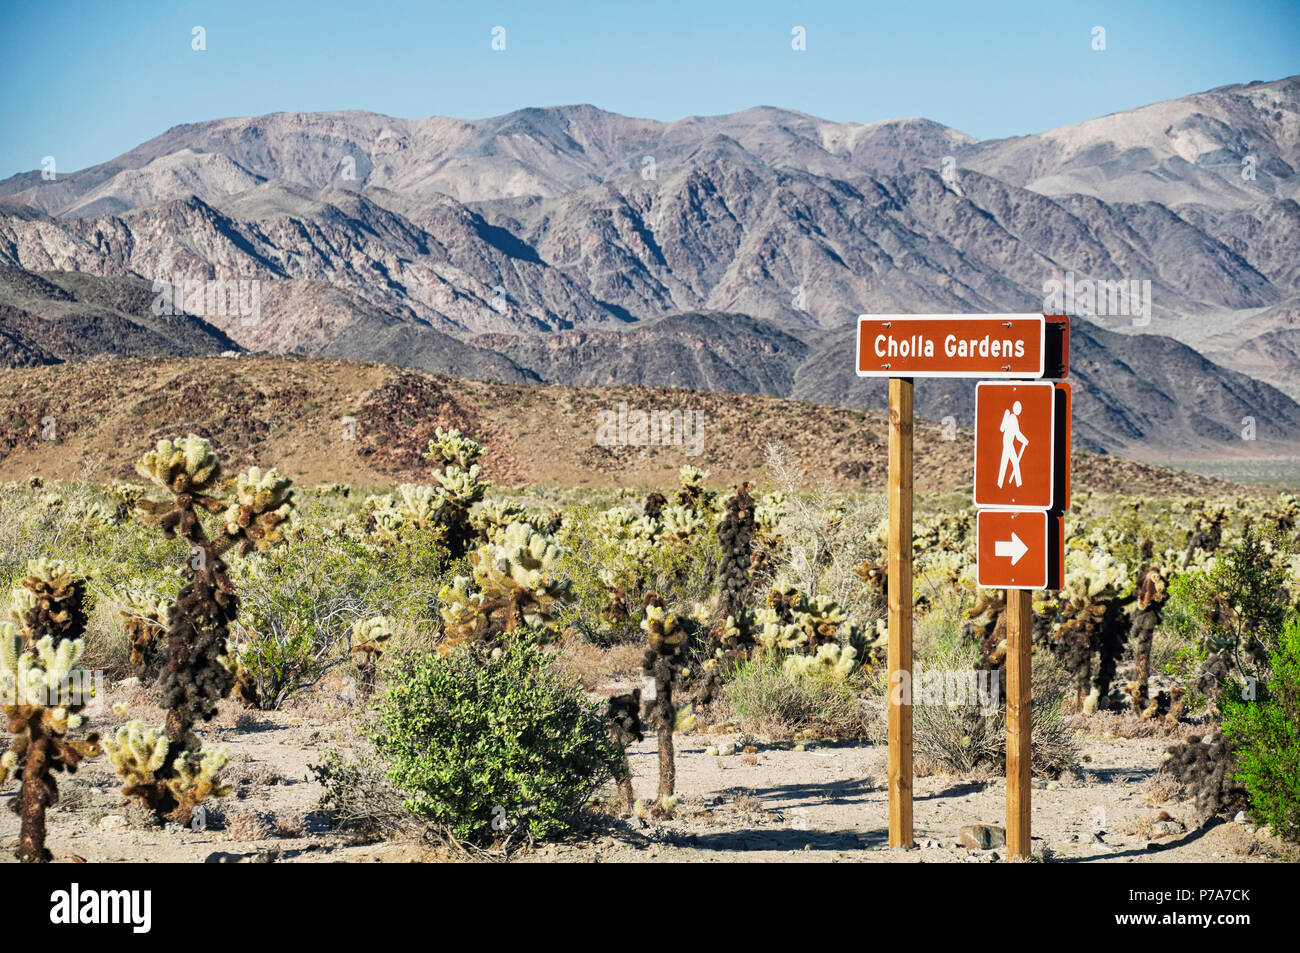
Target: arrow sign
(1013,547)
(1019,549)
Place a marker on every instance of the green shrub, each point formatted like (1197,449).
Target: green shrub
(1229,619)
(493,744)
(766,698)
(299,604)
(1266,732)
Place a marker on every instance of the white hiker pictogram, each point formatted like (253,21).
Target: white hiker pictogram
(1010,428)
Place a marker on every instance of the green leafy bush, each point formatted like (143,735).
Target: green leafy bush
(491,745)
(299,604)
(1266,732)
(1229,618)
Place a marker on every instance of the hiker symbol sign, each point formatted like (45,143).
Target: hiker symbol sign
(1022,445)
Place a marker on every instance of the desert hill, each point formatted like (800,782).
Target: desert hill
(95,418)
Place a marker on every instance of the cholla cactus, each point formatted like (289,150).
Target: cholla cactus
(198,673)
(453,447)
(779,637)
(665,660)
(831,661)
(420,505)
(48,600)
(623,714)
(140,757)
(1089,634)
(462,488)
(185,465)
(679,524)
(768,541)
(693,494)
(1208,533)
(653,503)
(514,583)
(735,533)
(821,618)
(263,503)
(442,507)
(196,779)
(127,496)
(383,521)
(1150,594)
(137,755)
(233,660)
(94,511)
(42,692)
(369,641)
(491,518)
(792,624)
(144,616)
(1205,768)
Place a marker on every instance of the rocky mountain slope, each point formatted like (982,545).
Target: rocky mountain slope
(68,316)
(1189,147)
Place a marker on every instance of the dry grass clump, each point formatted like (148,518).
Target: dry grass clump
(140,818)
(248,825)
(290,823)
(961,739)
(595,665)
(1161,789)
(1127,724)
(766,700)
(252,774)
(108,649)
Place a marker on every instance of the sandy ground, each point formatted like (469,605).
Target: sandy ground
(777,803)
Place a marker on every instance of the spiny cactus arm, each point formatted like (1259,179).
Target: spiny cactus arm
(666,634)
(369,638)
(462,487)
(453,447)
(49,600)
(263,504)
(11,652)
(137,754)
(196,776)
(183,465)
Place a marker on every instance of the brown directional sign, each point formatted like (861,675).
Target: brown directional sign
(960,345)
(1019,549)
(1022,445)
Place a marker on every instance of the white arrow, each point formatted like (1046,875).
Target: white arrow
(1012,547)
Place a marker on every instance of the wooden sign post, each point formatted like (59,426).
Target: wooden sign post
(1004,347)
(1019,723)
(900,612)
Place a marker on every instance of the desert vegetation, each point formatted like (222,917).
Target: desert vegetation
(489,658)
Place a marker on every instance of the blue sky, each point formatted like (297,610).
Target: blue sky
(84,82)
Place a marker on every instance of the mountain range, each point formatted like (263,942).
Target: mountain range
(570,245)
